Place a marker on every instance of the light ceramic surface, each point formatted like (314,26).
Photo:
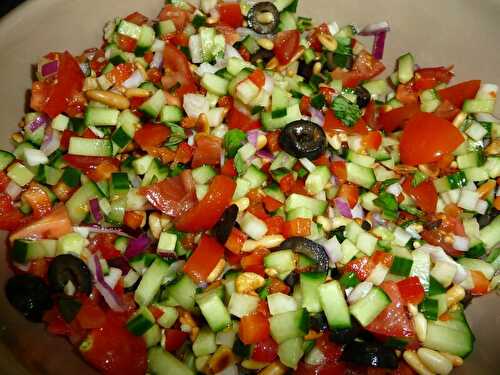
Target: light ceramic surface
(439,32)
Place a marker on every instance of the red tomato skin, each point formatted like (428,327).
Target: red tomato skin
(265,351)
(411,290)
(396,118)
(457,94)
(230,14)
(174,338)
(253,328)
(238,120)
(151,135)
(207,212)
(425,194)
(208,150)
(286,45)
(105,244)
(177,70)
(178,16)
(426,138)
(90,315)
(204,259)
(481,283)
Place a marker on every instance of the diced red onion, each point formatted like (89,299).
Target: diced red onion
(134,80)
(120,262)
(113,277)
(96,228)
(460,243)
(37,122)
(375,28)
(317,116)
(343,207)
(379,45)
(333,250)
(265,154)
(13,190)
(157,61)
(49,68)
(95,209)
(253,136)
(438,254)
(357,212)
(51,141)
(137,246)
(109,295)
(377,220)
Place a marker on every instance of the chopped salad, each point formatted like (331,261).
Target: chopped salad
(233,189)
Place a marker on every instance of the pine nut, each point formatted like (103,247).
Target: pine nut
(17,137)
(413,360)
(493,148)
(109,98)
(242,203)
(435,361)
(247,282)
(221,359)
(455,360)
(265,17)
(272,64)
(454,295)
(261,142)
(275,368)
(317,68)
(268,242)
(249,246)
(265,43)
(297,56)
(459,119)
(212,20)
(271,272)
(328,42)
(137,93)
(217,271)
(420,324)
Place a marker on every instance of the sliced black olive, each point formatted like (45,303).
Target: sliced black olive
(263,18)
(303,139)
(292,279)
(487,218)
(318,322)
(262,56)
(67,267)
(309,248)
(346,335)
(29,295)
(339,233)
(337,60)
(69,308)
(363,97)
(366,225)
(223,228)
(306,70)
(370,354)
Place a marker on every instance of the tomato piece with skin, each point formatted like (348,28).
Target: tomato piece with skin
(235,241)
(90,314)
(173,196)
(207,212)
(177,15)
(97,168)
(299,227)
(137,18)
(174,339)
(228,169)
(177,70)
(204,259)
(426,138)
(38,199)
(330,364)
(439,74)
(126,43)
(10,217)
(208,150)
(314,40)
(113,350)
(265,351)
(425,194)
(481,283)
(150,135)
(339,170)
(51,226)
(365,67)
(258,78)
(372,140)
(458,93)
(286,45)
(121,72)
(239,120)
(406,94)
(394,320)
(231,36)
(105,244)
(271,204)
(350,193)
(396,118)
(254,328)
(230,14)
(411,290)
(333,125)
(4,181)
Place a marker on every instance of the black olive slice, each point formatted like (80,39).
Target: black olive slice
(262,56)
(346,335)
(303,139)
(263,18)
(309,248)
(363,96)
(306,70)
(223,228)
(487,218)
(29,295)
(67,267)
(318,322)
(292,279)
(370,354)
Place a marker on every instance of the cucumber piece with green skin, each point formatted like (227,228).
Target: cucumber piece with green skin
(255,176)
(301,212)
(154,104)
(269,123)
(145,41)
(90,147)
(171,113)
(369,307)
(274,192)
(291,351)
(24,251)
(77,205)
(141,321)
(183,291)
(309,282)
(203,174)
(283,161)
(20,174)
(490,234)
(151,282)
(214,311)
(162,362)
(140,262)
(152,336)
(129,29)
(204,343)
(215,84)
(294,201)
(334,305)
(20,148)
(406,64)
(282,261)
(360,175)
(165,27)
(279,99)
(95,116)
(317,179)
(236,65)
(363,160)
(289,325)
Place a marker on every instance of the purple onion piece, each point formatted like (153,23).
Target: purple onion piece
(109,295)
(137,246)
(36,123)
(343,207)
(375,28)
(265,154)
(49,68)
(379,45)
(253,135)
(95,209)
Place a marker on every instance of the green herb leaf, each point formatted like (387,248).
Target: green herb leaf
(233,140)
(346,111)
(388,203)
(177,136)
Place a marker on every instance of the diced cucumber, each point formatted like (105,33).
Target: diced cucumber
(291,351)
(129,29)
(317,179)
(369,307)
(334,305)
(294,201)
(162,362)
(280,303)
(171,113)
(360,175)
(95,116)
(154,104)
(289,325)
(183,291)
(214,311)
(215,84)
(283,160)
(367,243)
(145,41)
(236,65)
(349,250)
(151,282)
(5,159)
(280,98)
(292,114)
(282,261)
(141,321)
(242,304)
(77,205)
(255,176)
(363,160)
(204,343)
(24,251)
(490,234)
(406,68)
(90,147)
(479,106)
(20,174)
(309,282)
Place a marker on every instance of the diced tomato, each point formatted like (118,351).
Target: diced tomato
(328,93)
(204,259)
(38,199)
(406,94)
(230,14)
(177,71)
(411,290)
(173,196)
(365,67)
(254,262)
(113,350)
(305,105)
(239,120)
(314,40)
(396,118)
(207,212)
(133,219)
(330,364)
(275,225)
(235,241)
(481,283)
(265,351)
(439,74)
(184,153)
(394,320)
(457,94)
(425,194)
(174,339)
(277,286)
(300,227)
(105,244)
(98,62)
(245,54)
(208,150)
(40,92)
(177,15)
(126,43)
(232,258)
(380,257)
(272,141)
(39,267)
(446,110)
(225,101)
(426,138)
(339,170)
(151,135)
(51,226)
(258,78)
(372,140)
(271,204)
(231,36)
(137,18)
(333,125)
(228,169)
(90,315)
(154,75)
(350,193)
(95,167)
(257,209)
(253,329)
(4,181)
(66,135)
(286,45)
(56,325)
(121,72)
